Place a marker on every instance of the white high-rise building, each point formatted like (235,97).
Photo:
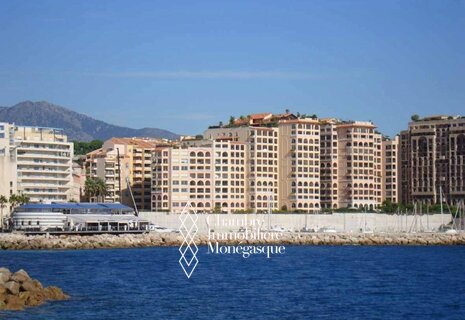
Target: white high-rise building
(44,163)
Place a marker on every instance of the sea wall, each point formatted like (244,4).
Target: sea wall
(23,242)
(342,222)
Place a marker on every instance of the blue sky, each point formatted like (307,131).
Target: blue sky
(182,65)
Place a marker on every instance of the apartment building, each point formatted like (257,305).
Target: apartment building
(125,166)
(329,157)
(391,169)
(299,165)
(208,174)
(44,163)
(359,165)
(261,152)
(8,174)
(433,160)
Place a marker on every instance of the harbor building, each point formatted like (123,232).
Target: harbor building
(79,218)
(124,164)
(433,160)
(391,169)
(44,163)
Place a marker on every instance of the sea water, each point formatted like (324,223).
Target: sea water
(307,282)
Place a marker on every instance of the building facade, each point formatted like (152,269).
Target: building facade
(359,165)
(299,165)
(391,170)
(433,160)
(208,174)
(8,174)
(125,165)
(44,163)
(261,154)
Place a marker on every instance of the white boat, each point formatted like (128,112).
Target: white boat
(278,229)
(160,229)
(327,230)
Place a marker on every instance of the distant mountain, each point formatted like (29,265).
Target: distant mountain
(76,125)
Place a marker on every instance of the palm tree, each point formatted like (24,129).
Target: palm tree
(23,199)
(14,200)
(90,188)
(101,188)
(95,187)
(3,202)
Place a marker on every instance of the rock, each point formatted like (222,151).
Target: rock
(20,276)
(55,293)
(13,302)
(12,287)
(4,275)
(32,299)
(31,285)
(22,291)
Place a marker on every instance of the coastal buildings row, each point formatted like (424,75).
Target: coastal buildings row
(286,162)
(254,163)
(36,162)
(125,165)
(273,161)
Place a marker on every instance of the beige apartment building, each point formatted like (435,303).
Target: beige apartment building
(359,165)
(351,165)
(433,160)
(208,174)
(261,154)
(127,177)
(299,165)
(44,163)
(391,169)
(329,157)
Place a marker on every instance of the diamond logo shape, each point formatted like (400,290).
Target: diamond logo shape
(188,248)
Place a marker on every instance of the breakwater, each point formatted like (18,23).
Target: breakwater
(18,290)
(24,242)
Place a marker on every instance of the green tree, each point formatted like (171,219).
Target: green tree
(14,200)
(231,120)
(82,147)
(95,187)
(415,117)
(23,199)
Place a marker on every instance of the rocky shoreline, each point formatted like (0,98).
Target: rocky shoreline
(37,242)
(18,290)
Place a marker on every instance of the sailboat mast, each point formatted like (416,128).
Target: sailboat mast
(442,209)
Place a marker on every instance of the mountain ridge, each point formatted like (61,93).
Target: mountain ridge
(77,126)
